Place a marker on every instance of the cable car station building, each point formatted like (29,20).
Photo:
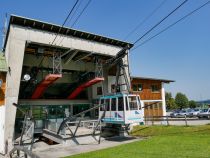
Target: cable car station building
(54,72)
(57,77)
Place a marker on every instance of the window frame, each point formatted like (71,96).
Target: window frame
(137,85)
(157,90)
(132,103)
(97,90)
(112,104)
(113,88)
(123,100)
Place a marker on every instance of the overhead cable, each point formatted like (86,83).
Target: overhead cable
(145,19)
(81,13)
(163,19)
(168,27)
(76,20)
(70,12)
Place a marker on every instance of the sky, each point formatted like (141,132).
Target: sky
(182,53)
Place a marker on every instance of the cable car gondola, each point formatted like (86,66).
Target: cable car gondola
(121,109)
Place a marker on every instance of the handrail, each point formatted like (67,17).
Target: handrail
(74,116)
(20,147)
(169,118)
(27,152)
(172,117)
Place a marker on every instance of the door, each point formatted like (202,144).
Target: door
(120,115)
(134,113)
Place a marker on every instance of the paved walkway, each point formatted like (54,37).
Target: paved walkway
(57,151)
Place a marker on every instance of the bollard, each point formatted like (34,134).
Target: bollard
(185,120)
(167,121)
(152,120)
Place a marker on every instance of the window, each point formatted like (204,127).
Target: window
(134,86)
(140,87)
(113,88)
(126,103)
(133,103)
(99,90)
(137,87)
(155,88)
(102,106)
(107,104)
(120,104)
(113,105)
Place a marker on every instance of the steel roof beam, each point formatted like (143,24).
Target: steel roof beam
(70,56)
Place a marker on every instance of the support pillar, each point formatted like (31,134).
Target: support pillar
(163,99)
(14,56)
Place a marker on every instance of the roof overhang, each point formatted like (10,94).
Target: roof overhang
(153,79)
(44,26)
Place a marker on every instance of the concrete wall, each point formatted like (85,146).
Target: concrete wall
(14,55)
(44,37)
(110,81)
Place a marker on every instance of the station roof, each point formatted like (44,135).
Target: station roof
(40,25)
(3,65)
(153,79)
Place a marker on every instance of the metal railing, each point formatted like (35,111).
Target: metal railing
(26,141)
(167,120)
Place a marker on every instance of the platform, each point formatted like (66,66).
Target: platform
(83,136)
(45,83)
(81,87)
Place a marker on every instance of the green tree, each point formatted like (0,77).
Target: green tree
(168,96)
(192,104)
(181,100)
(171,104)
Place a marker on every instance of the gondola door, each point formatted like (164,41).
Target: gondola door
(113,109)
(133,113)
(120,114)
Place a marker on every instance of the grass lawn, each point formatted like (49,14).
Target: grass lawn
(162,142)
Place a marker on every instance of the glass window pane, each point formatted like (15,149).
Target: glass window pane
(99,90)
(120,104)
(107,102)
(113,107)
(133,103)
(113,88)
(155,88)
(126,103)
(134,86)
(140,87)
(102,106)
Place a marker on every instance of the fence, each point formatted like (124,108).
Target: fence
(168,120)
